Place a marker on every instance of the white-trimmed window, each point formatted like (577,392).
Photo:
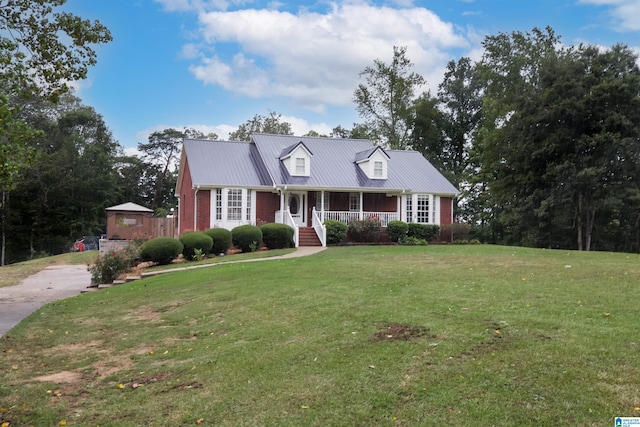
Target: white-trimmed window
(218,204)
(422,209)
(248,205)
(354,202)
(409,209)
(234,204)
(319,201)
(301,165)
(377,169)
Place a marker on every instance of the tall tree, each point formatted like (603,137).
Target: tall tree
(261,124)
(386,100)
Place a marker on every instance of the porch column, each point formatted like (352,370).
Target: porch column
(361,205)
(322,206)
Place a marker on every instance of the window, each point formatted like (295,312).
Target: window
(422,208)
(300,166)
(354,202)
(218,204)
(319,200)
(248,205)
(409,209)
(234,204)
(377,169)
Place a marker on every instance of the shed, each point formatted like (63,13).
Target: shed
(126,220)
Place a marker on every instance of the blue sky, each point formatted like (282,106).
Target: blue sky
(213,64)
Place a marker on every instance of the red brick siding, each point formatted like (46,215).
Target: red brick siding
(266,206)
(379,202)
(204,210)
(446,210)
(186,200)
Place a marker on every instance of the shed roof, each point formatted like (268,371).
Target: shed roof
(129,207)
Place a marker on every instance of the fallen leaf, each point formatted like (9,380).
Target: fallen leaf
(636,408)
(151,351)
(6,424)
(304,407)
(372,366)
(120,386)
(14,367)
(62,423)
(199,421)
(606,314)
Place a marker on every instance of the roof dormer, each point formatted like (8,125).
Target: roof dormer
(297,159)
(373,162)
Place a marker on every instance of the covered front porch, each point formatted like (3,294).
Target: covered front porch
(301,209)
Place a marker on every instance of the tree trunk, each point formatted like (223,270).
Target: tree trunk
(3,218)
(591,215)
(579,221)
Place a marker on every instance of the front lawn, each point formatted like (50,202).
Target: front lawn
(352,336)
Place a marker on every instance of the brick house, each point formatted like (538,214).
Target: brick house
(303,181)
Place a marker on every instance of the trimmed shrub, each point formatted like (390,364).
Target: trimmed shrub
(397,230)
(457,231)
(277,236)
(221,240)
(193,240)
(161,250)
(336,231)
(428,232)
(246,237)
(365,231)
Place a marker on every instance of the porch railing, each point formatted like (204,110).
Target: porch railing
(319,227)
(288,219)
(347,216)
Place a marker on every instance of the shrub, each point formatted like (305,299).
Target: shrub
(427,232)
(336,231)
(193,240)
(397,230)
(366,230)
(161,250)
(221,240)
(246,237)
(456,231)
(277,236)
(106,268)
(413,241)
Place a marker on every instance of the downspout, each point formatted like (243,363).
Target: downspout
(195,208)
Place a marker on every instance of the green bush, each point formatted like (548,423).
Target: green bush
(428,232)
(221,240)
(193,240)
(247,237)
(365,231)
(413,241)
(277,236)
(161,250)
(397,230)
(336,231)
(456,231)
(106,268)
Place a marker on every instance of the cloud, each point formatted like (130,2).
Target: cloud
(221,130)
(314,58)
(625,13)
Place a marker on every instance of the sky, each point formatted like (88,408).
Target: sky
(214,64)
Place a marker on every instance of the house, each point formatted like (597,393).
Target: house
(303,181)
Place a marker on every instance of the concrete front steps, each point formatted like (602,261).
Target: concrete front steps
(307,237)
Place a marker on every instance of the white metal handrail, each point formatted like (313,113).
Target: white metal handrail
(346,216)
(288,219)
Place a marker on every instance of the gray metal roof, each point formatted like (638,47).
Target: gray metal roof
(224,163)
(333,166)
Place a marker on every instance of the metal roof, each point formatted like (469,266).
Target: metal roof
(333,166)
(129,207)
(225,163)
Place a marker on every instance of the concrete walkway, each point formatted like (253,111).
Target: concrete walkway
(64,281)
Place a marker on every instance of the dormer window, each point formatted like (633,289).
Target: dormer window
(297,160)
(373,163)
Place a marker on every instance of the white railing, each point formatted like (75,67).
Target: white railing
(319,227)
(288,219)
(346,216)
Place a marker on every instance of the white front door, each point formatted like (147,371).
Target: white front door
(297,203)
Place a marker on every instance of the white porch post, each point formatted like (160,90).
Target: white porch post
(360,214)
(282,204)
(322,206)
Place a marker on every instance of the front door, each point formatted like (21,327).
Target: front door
(297,203)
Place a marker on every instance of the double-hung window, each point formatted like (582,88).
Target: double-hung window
(234,204)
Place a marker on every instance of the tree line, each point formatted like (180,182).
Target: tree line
(542,139)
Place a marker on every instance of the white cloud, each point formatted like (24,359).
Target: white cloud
(625,13)
(221,130)
(315,58)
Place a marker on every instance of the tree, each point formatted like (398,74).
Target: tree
(261,124)
(386,100)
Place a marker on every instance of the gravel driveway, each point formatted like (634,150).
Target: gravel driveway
(51,284)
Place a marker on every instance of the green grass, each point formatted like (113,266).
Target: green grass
(502,336)
(12,274)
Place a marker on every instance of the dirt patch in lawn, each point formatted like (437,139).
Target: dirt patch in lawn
(401,332)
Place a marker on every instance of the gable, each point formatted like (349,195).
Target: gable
(374,163)
(297,160)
